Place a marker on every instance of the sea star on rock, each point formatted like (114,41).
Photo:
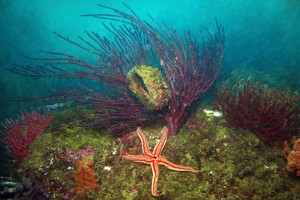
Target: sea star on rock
(155,159)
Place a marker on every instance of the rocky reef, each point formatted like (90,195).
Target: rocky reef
(234,163)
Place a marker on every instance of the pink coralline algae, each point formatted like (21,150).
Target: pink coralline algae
(73,157)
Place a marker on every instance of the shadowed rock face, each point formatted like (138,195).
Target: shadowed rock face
(22,189)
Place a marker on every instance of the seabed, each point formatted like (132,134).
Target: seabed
(234,164)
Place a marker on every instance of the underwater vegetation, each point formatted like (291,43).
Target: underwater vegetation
(149,78)
(234,164)
(84,176)
(292,156)
(188,68)
(272,115)
(19,134)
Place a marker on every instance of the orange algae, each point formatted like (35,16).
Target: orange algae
(292,156)
(84,177)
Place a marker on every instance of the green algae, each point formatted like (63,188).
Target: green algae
(149,86)
(234,164)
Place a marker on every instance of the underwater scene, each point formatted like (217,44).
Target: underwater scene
(141,100)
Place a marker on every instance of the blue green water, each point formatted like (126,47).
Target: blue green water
(260,35)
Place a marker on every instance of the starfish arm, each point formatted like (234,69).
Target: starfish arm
(145,145)
(160,145)
(138,158)
(154,159)
(175,167)
(155,172)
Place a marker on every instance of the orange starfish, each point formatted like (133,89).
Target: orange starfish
(155,159)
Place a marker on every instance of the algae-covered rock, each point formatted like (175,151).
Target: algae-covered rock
(234,164)
(149,86)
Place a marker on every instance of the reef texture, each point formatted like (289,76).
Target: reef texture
(234,164)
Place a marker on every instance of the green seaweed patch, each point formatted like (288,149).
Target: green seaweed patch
(231,160)
(149,86)
(73,138)
(70,117)
(48,162)
(234,164)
